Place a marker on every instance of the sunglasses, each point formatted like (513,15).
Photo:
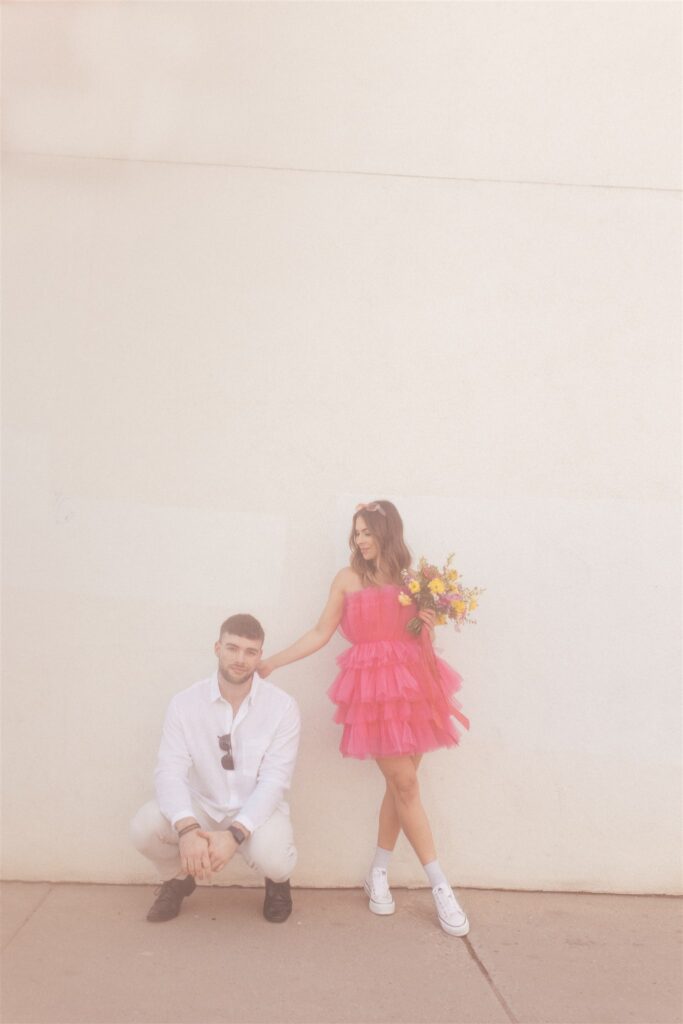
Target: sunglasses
(371,508)
(227,760)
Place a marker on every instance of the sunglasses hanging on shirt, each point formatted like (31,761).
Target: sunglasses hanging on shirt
(228,761)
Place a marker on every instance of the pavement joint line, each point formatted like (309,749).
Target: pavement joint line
(494,988)
(37,907)
(332,170)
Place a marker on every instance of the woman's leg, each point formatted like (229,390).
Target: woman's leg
(401,776)
(389,821)
(402,785)
(376,883)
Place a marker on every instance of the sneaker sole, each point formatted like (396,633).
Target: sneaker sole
(459,930)
(378,908)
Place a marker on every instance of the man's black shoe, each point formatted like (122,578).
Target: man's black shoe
(169,897)
(277,906)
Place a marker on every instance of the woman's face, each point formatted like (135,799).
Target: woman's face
(365,542)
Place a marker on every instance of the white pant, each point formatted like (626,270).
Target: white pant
(269,849)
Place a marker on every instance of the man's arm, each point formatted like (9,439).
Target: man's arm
(275,772)
(173,795)
(274,777)
(172,769)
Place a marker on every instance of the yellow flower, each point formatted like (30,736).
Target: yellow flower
(453,576)
(414,587)
(437,586)
(473,605)
(405,599)
(441,620)
(460,607)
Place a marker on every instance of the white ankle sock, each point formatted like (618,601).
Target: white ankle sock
(435,874)
(381,859)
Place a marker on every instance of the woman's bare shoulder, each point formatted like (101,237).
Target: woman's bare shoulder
(347,580)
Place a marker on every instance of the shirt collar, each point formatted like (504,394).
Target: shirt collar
(215,690)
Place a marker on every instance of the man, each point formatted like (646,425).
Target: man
(225,763)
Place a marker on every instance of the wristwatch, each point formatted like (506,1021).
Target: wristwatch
(237,833)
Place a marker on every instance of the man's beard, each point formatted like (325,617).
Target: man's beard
(235,679)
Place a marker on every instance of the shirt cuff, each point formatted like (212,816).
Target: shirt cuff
(243,819)
(183,814)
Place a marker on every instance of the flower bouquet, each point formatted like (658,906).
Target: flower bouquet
(441,591)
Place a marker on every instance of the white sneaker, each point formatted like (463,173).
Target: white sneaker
(452,917)
(376,886)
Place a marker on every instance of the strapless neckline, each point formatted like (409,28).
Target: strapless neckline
(376,590)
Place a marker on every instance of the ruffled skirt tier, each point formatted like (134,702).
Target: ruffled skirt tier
(394,698)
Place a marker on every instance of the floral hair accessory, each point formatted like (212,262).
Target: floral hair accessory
(371,508)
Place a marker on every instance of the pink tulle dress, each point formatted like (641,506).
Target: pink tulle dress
(393,695)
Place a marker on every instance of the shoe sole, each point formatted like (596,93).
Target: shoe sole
(381,909)
(450,929)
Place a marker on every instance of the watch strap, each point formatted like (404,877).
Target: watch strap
(237,833)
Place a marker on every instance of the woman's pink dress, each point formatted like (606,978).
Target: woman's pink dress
(393,695)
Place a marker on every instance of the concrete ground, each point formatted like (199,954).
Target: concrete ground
(84,954)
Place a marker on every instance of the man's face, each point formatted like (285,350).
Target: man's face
(238,657)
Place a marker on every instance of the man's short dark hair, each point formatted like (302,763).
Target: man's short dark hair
(243,625)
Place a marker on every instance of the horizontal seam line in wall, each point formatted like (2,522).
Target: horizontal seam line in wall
(322,170)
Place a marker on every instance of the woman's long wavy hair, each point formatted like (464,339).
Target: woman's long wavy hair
(387,531)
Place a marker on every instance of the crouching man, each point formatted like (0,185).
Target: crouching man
(225,763)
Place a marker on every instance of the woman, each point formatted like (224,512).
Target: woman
(394,697)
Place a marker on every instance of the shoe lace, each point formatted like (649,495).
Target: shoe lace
(278,894)
(166,893)
(379,882)
(447,902)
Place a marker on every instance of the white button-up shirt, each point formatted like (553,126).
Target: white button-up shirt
(265,739)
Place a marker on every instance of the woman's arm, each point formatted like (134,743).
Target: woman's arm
(317,637)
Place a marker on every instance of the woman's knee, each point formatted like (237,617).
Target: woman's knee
(404,785)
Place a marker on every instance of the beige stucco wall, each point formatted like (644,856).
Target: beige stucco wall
(265,261)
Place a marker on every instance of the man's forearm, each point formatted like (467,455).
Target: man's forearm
(260,805)
(173,795)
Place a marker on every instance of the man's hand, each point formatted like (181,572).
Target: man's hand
(222,847)
(194,855)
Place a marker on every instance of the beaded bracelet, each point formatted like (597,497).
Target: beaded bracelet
(188,828)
